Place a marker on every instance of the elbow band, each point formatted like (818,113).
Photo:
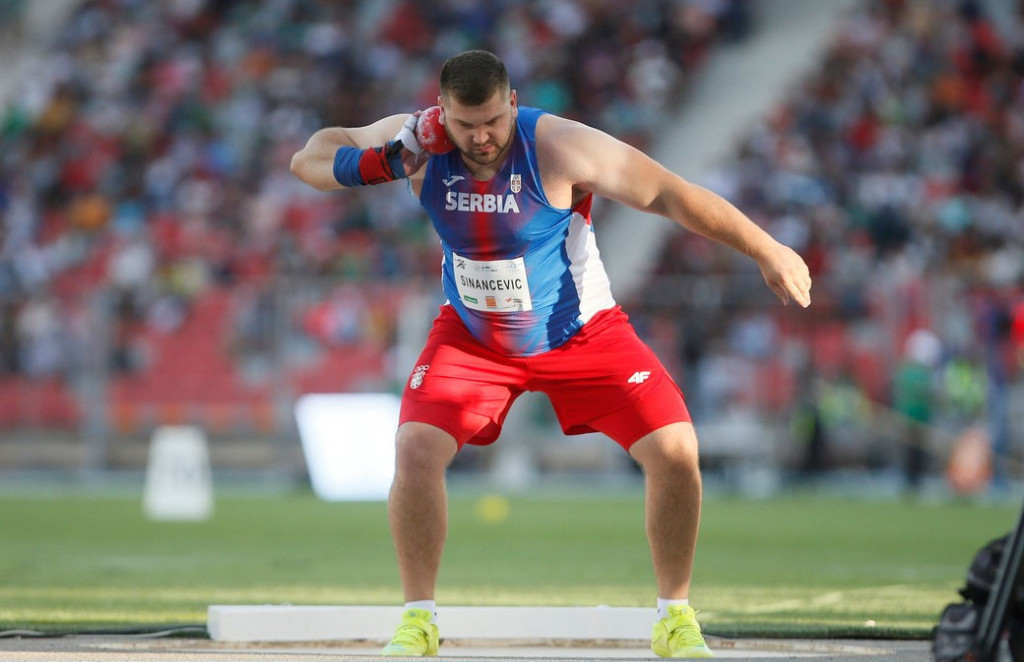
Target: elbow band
(375,165)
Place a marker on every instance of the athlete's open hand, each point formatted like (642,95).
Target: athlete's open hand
(786,274)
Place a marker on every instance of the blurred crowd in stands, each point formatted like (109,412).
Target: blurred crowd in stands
(150,219)
(144,188)
(897,170)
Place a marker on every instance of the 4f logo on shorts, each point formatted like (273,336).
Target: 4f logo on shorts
(639,377)
(418,373)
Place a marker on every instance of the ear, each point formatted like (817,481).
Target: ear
(440,116)
(515,104)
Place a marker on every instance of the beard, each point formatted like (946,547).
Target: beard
(488,157)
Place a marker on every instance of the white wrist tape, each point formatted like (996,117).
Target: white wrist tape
(408,136)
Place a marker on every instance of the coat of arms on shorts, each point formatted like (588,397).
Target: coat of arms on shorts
(517,183)
(417,375)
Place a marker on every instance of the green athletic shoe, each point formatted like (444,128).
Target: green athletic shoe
(678,634)
(415,636)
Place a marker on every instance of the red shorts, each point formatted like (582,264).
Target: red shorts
(604,379)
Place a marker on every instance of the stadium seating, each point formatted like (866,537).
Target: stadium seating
(148,211)
(145,189)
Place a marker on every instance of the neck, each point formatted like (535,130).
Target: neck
(485,172)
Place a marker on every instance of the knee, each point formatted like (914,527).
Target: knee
(423,449)
(671,450)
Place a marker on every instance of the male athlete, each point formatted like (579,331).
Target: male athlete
(529,308)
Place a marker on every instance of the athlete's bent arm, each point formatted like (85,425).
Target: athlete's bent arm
(314,163)
(591,160)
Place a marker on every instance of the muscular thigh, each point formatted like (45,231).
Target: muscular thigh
(607,380)
(460,386)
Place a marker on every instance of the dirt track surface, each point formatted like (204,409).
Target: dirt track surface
(135,649)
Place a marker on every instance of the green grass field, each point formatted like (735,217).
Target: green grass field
(789,566)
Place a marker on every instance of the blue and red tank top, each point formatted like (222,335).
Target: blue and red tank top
(523,276)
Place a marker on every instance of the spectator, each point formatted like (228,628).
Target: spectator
(914,399)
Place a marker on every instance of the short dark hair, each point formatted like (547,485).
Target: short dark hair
(472,77)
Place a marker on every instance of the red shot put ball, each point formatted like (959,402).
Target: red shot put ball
(430,132)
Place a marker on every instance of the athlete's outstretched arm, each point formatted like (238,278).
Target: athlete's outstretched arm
(314,163)
(591,160)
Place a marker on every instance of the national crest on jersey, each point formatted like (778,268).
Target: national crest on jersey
(522,275)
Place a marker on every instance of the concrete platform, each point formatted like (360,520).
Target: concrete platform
(269,623)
